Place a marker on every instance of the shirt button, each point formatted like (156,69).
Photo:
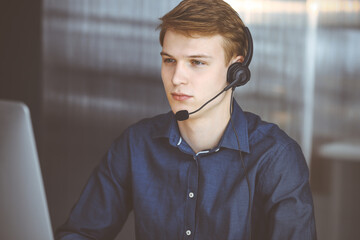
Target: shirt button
(191,194)
(188,232)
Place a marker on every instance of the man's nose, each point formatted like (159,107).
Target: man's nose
(180,74)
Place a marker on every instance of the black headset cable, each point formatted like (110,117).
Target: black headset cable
(242,159)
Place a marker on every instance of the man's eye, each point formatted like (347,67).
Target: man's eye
(196,62)
(169,60)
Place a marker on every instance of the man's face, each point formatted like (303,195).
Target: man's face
(193,70)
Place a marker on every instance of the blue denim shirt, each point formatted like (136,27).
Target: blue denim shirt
(176,193)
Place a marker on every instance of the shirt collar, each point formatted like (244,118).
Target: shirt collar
(240,124)
(170,129)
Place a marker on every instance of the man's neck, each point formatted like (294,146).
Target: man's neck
(205,132)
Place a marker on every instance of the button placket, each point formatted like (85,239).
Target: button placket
(192,189)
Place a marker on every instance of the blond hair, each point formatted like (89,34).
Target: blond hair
(207,18)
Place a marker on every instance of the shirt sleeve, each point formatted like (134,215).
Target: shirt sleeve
(105,202)
(286,198)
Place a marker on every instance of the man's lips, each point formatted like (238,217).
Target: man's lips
(180,96)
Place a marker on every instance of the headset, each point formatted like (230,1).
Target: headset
(238,73)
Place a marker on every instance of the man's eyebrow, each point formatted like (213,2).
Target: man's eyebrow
(165,54)
(199,56)
(191,56)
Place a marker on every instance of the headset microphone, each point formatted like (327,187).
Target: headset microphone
(238,74)
(184,114)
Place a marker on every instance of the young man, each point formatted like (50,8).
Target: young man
(188,179)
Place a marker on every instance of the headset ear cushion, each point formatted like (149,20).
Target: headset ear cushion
(237,74)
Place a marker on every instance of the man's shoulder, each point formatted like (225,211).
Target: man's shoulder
(261,130)
(273,147)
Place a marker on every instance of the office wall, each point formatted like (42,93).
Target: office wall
(20,54)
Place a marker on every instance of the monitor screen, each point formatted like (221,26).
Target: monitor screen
(23,207)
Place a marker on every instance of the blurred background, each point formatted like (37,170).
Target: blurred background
(88,69)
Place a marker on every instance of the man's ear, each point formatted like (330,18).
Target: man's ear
(238,59)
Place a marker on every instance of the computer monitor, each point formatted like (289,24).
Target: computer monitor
(23,207)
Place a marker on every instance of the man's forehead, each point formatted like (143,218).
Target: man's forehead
(195,45)
(193,35)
